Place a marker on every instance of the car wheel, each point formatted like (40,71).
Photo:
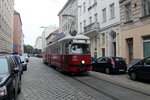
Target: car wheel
(107,71)
(19,87)
(133,76)
(13,97)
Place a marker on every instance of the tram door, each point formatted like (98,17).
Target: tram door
(65,55)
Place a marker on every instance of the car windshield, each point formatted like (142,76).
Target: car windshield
(80,48)
(117,59)
(3,66)
(22,58)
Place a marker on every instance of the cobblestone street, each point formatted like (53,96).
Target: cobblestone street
(40,82)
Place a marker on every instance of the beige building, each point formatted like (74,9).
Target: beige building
(51,36)
(135,29)
(38,43)
(6,25)
(45,33)
(68,17)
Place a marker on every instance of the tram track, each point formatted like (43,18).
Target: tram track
(109,95)
(121,86)
(98,90)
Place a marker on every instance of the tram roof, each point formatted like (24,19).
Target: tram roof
(71,37)
(74,37)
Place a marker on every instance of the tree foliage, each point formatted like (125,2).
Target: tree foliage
(30,50)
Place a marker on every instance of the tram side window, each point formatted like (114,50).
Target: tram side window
(66,48)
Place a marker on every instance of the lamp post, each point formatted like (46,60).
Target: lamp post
(71,32)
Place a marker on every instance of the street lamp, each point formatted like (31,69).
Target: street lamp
(71,32)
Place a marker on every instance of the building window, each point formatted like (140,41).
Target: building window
(95,43)
(81,27)
(128,12)
(104,15)
(103,39)
(90,20)
(84,22)
(112,11)
(80,10)
(103,52)
(146,7)
(84,7)
(89,3)
(146,46)
(96,20)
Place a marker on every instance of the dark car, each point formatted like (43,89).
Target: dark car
(10,79)
(140,70)
(110,65)
(18,61)
(92,60)
(23,63)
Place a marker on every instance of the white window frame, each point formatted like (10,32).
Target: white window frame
(103,38)
(84,7)
(90,20)
(145,7)
(104,15)
(128,12)
(112,11)
(96,18)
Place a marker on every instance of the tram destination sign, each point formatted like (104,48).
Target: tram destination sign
(81,41)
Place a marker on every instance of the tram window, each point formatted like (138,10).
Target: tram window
(80,49)
(66,48)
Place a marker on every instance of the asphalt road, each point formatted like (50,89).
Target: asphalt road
(42,82)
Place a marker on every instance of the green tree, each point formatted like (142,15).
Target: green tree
(28,49)
(37,51)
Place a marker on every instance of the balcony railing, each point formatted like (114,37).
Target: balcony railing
(92,27)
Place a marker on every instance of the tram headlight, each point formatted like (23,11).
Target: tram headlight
(82,62)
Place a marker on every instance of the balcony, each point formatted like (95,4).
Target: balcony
(92,28)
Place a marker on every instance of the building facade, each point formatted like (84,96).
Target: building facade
(45,33)
(89,21)
(135,29)
(6,25)
(110,37)
(68,17)
(100,20)
(51,36)
(18,36)
(38,43)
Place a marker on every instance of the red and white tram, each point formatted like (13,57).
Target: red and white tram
(69,54)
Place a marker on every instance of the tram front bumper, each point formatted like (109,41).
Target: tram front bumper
(80,68)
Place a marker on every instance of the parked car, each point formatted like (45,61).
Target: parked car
(18,61)
(110,65)
(26,57)
(23,63)
(10,78)
(92,60)
(140,70)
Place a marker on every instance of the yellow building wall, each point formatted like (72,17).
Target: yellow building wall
(136,34)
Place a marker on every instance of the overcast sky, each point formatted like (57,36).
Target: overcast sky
(37,13)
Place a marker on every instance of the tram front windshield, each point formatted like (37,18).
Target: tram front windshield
(80,48)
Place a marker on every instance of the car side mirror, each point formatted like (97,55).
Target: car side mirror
(16,70)
(22,61)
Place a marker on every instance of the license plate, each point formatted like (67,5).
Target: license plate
(121,70)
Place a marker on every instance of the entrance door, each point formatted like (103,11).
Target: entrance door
(114,45)
(130,46)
